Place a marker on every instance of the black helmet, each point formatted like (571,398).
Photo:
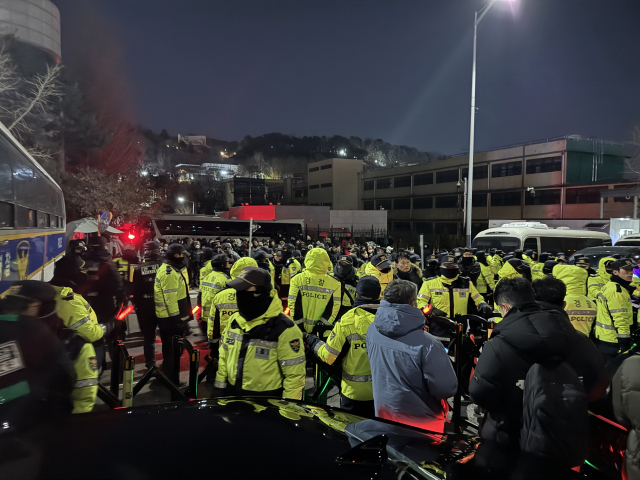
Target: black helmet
(207,253)
(296,254)
(152,246)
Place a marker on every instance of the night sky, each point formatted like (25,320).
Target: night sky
(392,69)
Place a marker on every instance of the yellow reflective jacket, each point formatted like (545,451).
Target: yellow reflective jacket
(615,313)
(536,271)
(314,296)
(85,365)
(383,278)
(210,286)
(600,279)
(268,351)
(124,269)
(205,270)
(223,304)
(442,292)
(496,264)
(77,315)
(350,335)
(289,270)
(582,311)
(170,291)
(507,271)
(485,280)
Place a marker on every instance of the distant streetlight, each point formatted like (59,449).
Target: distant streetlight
(482,13)
(182,200)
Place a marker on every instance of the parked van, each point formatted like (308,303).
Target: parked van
(629,241)
(538,237)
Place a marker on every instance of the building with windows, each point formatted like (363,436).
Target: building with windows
(332,183)
(556,179)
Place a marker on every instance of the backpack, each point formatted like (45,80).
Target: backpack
(554,420)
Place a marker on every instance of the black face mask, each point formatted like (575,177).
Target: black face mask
(343,271)
(264,265)
(467,261)
(386,270)
(251,305)
(449,272)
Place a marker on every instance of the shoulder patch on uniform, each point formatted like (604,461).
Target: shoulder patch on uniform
(68,297)
(93,363)
(295,345)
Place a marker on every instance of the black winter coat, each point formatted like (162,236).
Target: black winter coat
(525,336)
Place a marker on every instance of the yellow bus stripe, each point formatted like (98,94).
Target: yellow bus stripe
(25,235)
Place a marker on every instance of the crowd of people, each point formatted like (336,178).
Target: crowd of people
(269,309)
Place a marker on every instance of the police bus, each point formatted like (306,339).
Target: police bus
(538,237)
(32,216)
(176,226)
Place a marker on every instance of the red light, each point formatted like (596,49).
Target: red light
(195,309)
(426,310)
(122,314)
(270,203)
(287,311)
(131,236)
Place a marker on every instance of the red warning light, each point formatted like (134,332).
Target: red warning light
(195,309)
(131,236)
(287,311)
(426,310)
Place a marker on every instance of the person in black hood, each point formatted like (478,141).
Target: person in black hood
(104,289)
(518,254)
(345,273)
(70,271)
(584,357)
(431,267)
(469,267)
(548,267)
(526,335)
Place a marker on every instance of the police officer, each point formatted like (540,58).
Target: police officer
(486,283)
(314,296)
(278,265)
(126,263)
(224,305)
(381,268)
(104,290)
(291,268)
(601,278)
(469,267)
(172,302)
(77,247)
(582,311)
(344,272)
(144,277)
(537,266)
(37,375)
(615,311)
(262,351)
(229,252)
(348,341)
(262,257)
(207,255)
(449,293)
(214,282)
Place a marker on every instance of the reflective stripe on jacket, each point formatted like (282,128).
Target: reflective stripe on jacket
(210,286)
(77,315)
(596,282)
(441,292)
(169,289)
(350,334)
(485,280)
(615,313)
(263,356)
(85,389)
(314,296)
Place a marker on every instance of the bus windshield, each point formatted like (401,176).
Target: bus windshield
(569,245)
(506,244)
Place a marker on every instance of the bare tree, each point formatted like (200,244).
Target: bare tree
(8,77)
(41,91)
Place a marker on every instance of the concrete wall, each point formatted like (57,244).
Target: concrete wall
(359,219)
(36,22)
(312,216)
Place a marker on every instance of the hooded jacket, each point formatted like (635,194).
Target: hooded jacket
(263,356)
(507,271)
(582,311)
(383,278)
(600,279)
(526,335)
(314,296)
(223,304)
(210,286)
(411,371)
(625,390)
(77,315)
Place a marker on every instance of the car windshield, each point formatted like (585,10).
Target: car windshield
(506,244)
(595,256)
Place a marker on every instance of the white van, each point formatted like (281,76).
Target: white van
(632,240)
(539,237)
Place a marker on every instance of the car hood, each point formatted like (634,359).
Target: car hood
(235,437)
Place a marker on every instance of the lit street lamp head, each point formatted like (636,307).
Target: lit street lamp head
(180,199)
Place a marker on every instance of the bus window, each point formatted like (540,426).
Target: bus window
(506,244)
(569,245)
(6,215)
(531,243)
(6,176)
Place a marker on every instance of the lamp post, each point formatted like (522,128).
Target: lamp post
(479,15)
(193,204)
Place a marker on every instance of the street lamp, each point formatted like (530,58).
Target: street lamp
(182,200)
(482,13)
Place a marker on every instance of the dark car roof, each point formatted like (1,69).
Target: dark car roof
(228,438)
(609,249)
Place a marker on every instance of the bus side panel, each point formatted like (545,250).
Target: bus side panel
(26,257)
